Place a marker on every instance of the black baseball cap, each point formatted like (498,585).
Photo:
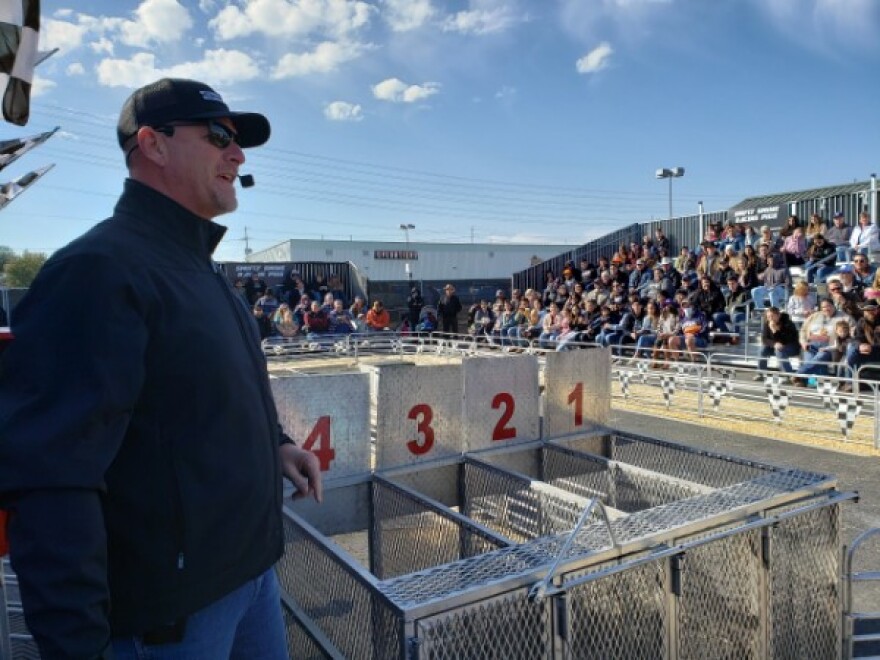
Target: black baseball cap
(175,99)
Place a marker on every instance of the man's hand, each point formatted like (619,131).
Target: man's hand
(302,468)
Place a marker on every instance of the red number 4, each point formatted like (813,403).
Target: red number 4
(320,436)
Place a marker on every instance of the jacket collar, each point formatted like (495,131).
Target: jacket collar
(162,214)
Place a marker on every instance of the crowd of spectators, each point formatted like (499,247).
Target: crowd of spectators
(805,281)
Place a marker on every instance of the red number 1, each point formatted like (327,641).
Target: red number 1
(577,398)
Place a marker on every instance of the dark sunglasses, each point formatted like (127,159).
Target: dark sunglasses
(218,135)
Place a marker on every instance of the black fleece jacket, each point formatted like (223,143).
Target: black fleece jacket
(138,433)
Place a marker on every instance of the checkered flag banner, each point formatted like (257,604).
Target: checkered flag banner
(643,370)
(848,409)
(827,389)
(12,150)
(11,190)
(19,35)
(624,377)
(778,404)
(667,382)
(772,384)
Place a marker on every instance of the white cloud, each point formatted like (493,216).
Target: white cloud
(505,92)
(326,57)
(102,45)
(596,60)
(824,22)
(206,6)
(75,69)
(285,18)
(342,111)
(40,86)
(397,91)
(61,34)
(405,15)
(158,21)
(480,21)
(218,67)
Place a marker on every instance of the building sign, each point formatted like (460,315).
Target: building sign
(757,215)
(402,255)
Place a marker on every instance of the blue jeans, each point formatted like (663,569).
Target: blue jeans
(782,356)
(818,364)
(721,319)
(245,624)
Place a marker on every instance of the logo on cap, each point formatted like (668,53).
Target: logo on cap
(211,95)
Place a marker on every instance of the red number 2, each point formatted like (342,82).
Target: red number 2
(320,435)
(577,398)
(423,413)
(502,431)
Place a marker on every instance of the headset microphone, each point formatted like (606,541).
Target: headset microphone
(246,180)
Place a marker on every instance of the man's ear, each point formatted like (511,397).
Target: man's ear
(151,144)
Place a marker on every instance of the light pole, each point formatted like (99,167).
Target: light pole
(406,227)
(670,173)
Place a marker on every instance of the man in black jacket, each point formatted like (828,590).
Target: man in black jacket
(448,309)
(140,451)
(779,337)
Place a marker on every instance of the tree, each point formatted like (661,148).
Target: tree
(20,270)
(6,253)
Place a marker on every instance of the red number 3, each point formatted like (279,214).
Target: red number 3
(424,415)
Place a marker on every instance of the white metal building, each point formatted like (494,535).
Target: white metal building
(386,261)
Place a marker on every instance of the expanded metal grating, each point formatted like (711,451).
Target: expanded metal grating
(701,556)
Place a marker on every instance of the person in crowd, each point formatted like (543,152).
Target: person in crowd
(567,331)
(301,309)
(779,337)
(751,238)
(862,272)
(644,333)
(240,291)
(337,289)
(518,320)
(268,303)
(483,320)
(821,258)
(815,227)
(126,464)
(710,262)
(832,353)
(604,318)
(378,318)
(730,238)
(448,309)
(341,320)
(284,323)
(685,261)
(693,332)
(550,326)
(671,280)
(414,304)
(535,326)
(318,287)
(794,247)
(743,270)
(639,275)
(817,330)
(255,287)
(772,242)
(846,275)
(736,302)
(316,321)
(843,301)
(291,289)
(601,288)
(551,283)
(612,331)
(774,283)
(504,318)
(793,222)
(865,346)
(864,238)
(838,235)
(708,298)
(801,303)
(264,322)
(670,324)
(660,239)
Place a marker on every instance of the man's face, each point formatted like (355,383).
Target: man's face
(337,306)
(200,176)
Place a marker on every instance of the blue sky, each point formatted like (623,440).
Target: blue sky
(498,120)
